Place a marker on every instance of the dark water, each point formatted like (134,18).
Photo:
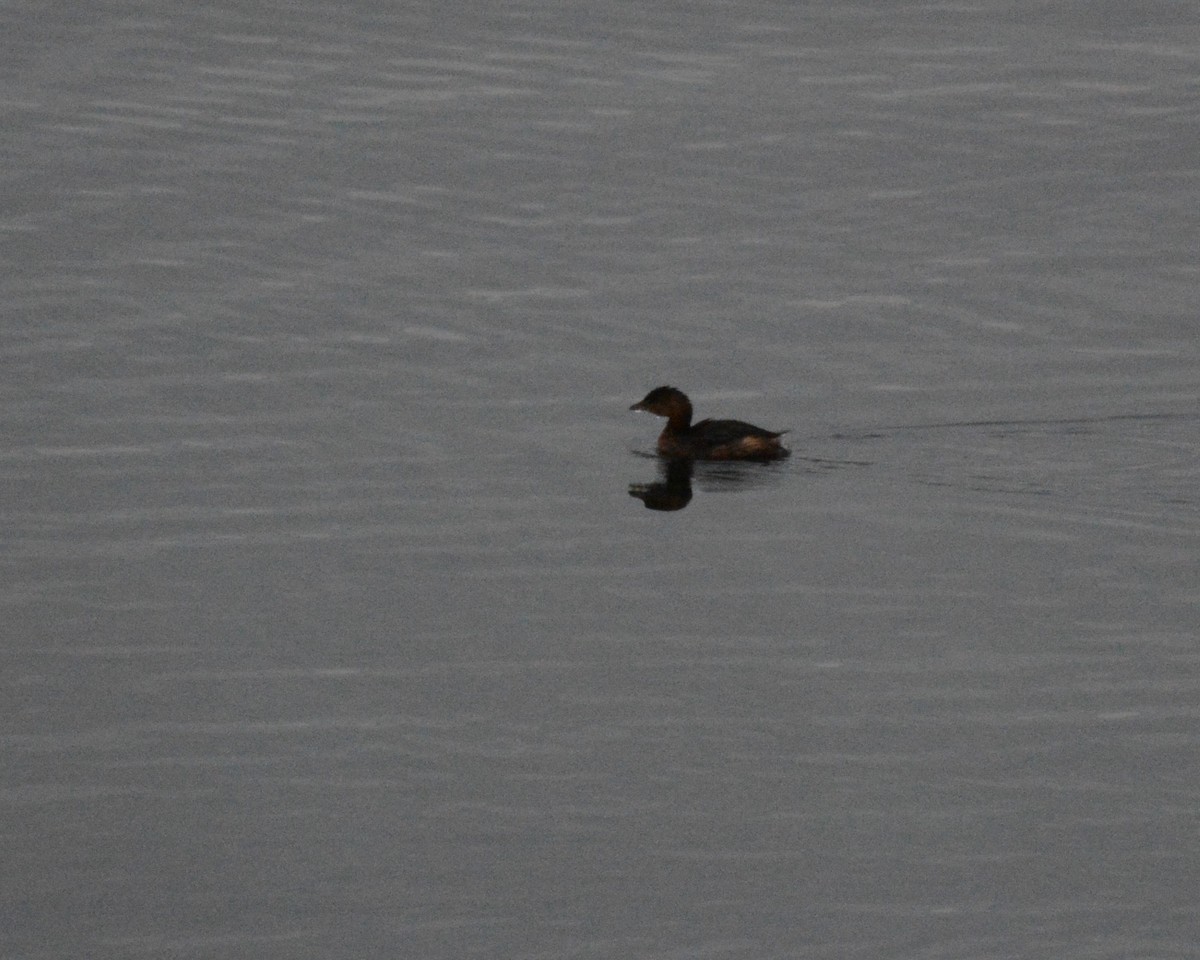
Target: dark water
(331,627)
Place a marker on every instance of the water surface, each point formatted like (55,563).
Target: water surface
(332,628)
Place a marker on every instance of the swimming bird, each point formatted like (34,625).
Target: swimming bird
(708,439)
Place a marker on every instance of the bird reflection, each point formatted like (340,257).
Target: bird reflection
(673,489)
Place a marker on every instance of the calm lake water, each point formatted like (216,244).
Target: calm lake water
(332,629)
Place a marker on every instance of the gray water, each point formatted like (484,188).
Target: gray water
(331,628)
